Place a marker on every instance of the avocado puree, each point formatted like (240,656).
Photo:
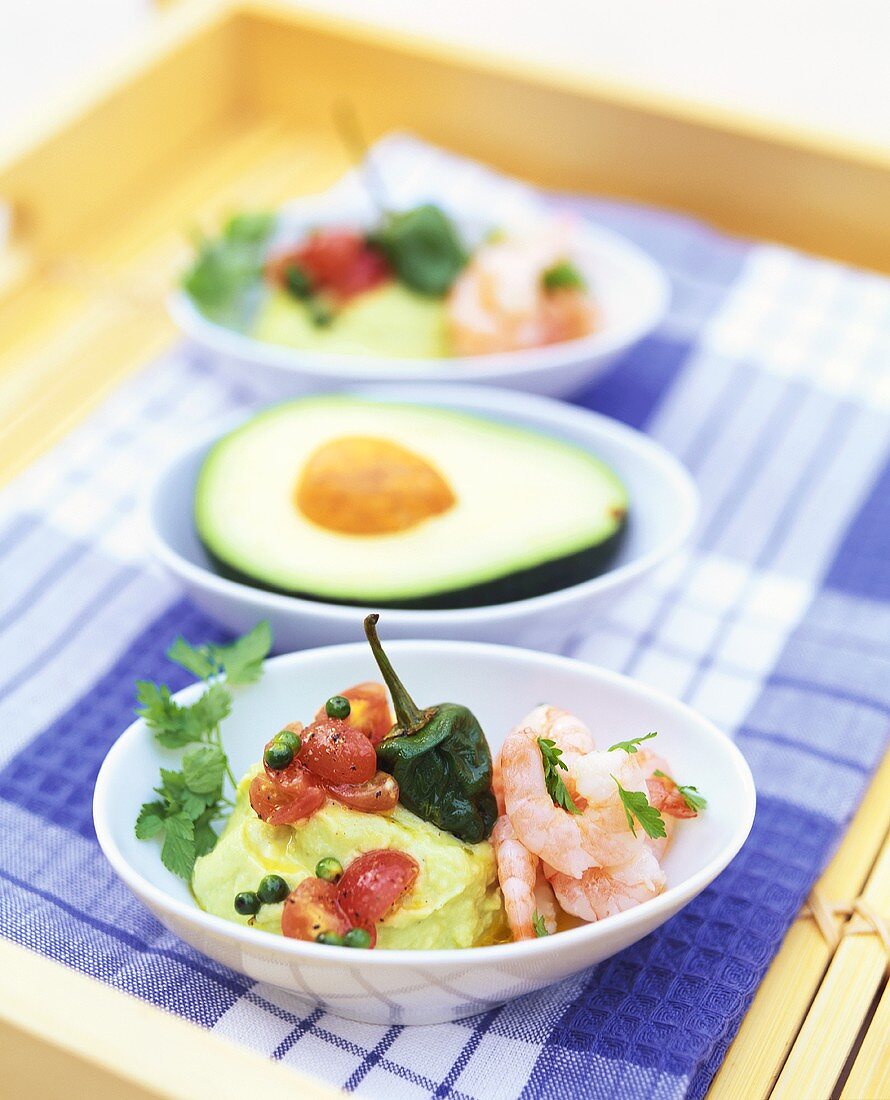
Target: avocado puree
(390,321)
(454,903)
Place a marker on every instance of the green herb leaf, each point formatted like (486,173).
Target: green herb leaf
(423,247)
(172,725)
(250,228)
(552,759)
(178,850)
(631,746)
(636,805)
(227,267)
(203,770)
(179,797)
(242,660)
(205,835)
(175,726)
(197,660)
(150,820)
(563,276)
(209,710)
(192,799)
(693,799)
(539,926)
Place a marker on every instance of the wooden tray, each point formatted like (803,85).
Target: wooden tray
(228,105)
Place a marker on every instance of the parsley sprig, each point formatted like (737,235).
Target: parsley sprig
(691,796)
(552,760)
(636,805)
(226,267)
(631,746)
(192,799)
(538,925)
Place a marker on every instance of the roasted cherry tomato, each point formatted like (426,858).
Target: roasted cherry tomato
(337,753)
(377,796)
(370,711)
(277,806)
(372,885)
(664,796)
(339,261)
(311,910)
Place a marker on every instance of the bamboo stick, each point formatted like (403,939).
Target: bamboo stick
(784,997)
(869,1078)
(842,1004)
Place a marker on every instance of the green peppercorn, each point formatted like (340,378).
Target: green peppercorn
(357,937)
(247,903)
(337,707)
(272,889)
(278,756)
(331,939)
(289,738)
(329,869)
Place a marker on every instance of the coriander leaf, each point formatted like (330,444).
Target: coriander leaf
(150,820)
(552,759)
(203,770)
(175,726)
(539,926)
(176,793)
(170,723)
(563,276)
(195,659)
(178,849)
(209,710)
(225,269)
(636,805)
(250,228)
(205,835)
(693,799)
(243,659)
(631,746)
(423,247)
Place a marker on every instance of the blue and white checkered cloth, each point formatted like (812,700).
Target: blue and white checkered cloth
(770,380)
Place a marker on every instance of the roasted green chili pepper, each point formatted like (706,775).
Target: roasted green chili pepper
(439,757)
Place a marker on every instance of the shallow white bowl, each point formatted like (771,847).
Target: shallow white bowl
(663,508)
(500,685)
(632,291)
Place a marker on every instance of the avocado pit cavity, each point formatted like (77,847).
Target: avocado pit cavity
(360,485)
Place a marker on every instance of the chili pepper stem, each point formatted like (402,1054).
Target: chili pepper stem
(409,716)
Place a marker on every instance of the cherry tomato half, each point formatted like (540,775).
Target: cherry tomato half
(373,883)
(664,796)
(279,806)
(336,260)
(378,796)
(311,909)
(370,710)
(338,753)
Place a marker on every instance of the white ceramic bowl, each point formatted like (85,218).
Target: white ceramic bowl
(632,291)
(500,685)
(663,508)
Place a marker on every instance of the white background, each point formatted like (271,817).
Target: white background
(822,64)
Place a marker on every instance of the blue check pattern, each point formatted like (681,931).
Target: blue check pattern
(770,381)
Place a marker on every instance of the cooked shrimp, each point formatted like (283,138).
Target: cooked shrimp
(518,875)
(607,838)
(543,828)
(545,902)
(663,795)
(499,302)
(604,891)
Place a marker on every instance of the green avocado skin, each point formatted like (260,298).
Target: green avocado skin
(549,576)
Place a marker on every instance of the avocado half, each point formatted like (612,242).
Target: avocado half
(523,513)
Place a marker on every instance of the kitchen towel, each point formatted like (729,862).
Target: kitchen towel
(770,380)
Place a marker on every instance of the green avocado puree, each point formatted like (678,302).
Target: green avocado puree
(454,903)
(390,321)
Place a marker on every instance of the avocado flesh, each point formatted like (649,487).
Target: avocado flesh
(532,515)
